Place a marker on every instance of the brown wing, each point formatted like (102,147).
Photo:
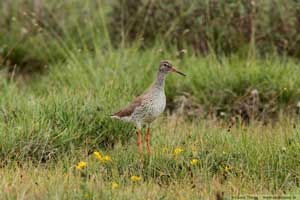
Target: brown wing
(130,108)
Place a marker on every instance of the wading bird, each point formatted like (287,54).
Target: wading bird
(144,109)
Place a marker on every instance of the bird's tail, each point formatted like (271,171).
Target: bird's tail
(114,117)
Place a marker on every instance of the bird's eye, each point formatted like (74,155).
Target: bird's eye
(166,65)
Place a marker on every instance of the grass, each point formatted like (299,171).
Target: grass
(51,121)
(246,160)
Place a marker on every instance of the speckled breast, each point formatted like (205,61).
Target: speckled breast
(155,106)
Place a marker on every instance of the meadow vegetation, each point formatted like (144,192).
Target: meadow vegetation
(231,126)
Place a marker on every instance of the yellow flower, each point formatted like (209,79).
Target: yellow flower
(227,168)
(135,178)
(177,151)
(114,185)
(81,165)
(98,155)
(194,161)
(107,158)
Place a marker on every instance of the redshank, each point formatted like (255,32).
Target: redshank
(144,109)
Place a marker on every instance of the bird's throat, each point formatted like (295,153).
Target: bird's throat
(160,80)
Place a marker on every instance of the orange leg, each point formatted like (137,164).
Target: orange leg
(140,143)
(147,140)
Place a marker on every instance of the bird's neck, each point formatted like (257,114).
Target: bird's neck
(160,80)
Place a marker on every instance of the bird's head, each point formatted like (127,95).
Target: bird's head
(166,66)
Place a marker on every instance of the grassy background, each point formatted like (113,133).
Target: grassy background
(61,80)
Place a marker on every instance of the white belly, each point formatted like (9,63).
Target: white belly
(155,107)
(159,105)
